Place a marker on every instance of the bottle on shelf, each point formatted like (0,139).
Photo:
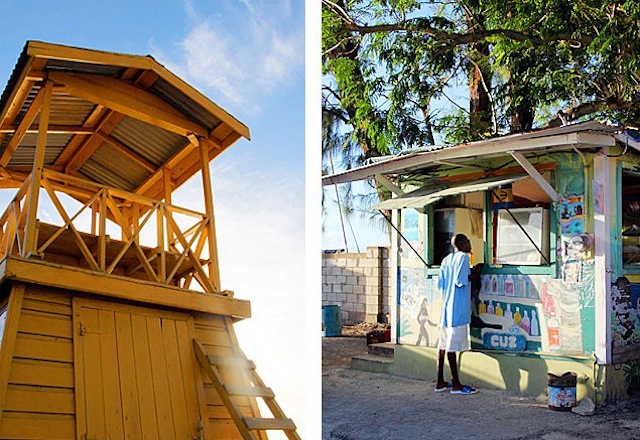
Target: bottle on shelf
(499,311)
(490,309)
(509,286)
(517,317)
(525,324)
(508,314)
(482,308)
(535,329)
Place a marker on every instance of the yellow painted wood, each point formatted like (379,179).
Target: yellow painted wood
(21,130)
(38,305)
(160,378)
(90,385)
(9,340)
(64,277)
(36,173)
(128,383)
(194,390)
(41,323)
(41,373)
(214,269)
(113,408)
(44,348)
(269,424)
(37,426)
(176,380)
(127,99)
(144,376)
(26,398)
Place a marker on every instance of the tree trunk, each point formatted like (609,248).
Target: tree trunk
(479,74)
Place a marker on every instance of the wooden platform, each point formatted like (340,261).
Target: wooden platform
(65,250)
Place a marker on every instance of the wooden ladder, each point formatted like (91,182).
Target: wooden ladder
(248,426)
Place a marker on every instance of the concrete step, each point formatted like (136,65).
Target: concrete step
(375,364)
(383,349)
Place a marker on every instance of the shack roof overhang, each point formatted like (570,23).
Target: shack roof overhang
(585,135)
(118,120)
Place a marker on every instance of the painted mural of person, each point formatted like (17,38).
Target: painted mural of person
(423,320)
(455,286)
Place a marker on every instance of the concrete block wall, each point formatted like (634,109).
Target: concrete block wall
(359,283)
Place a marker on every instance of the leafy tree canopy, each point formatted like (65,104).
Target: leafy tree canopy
(519,62)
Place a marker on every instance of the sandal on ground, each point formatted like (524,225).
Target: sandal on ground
(447,386)
(466,389)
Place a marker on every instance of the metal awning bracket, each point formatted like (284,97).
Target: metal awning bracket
(535,175)
(384,181)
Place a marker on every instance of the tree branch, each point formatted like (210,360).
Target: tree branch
(456,39)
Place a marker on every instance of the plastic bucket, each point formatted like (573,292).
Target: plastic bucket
(562,391)
(331,321)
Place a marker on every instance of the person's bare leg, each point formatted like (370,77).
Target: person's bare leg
(453,364)
(441,382)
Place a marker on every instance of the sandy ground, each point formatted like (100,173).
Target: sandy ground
(358,405)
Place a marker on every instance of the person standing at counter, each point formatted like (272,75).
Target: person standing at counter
(455,287)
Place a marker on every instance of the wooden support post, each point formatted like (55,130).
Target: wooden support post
(30,244)
(168,189)
(214,270)
(102,238)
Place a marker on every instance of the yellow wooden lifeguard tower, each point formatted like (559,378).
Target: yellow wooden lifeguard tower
(114,324)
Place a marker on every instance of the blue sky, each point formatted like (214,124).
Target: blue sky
(248,57)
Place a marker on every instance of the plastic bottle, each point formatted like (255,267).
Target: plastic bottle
(490,309)
(508,314)
(499,311)
(553,331)
(535,329)
(500,285)
(494,284)
(520,287)
(509,287)
(517,317)
(482,308)
(525,324)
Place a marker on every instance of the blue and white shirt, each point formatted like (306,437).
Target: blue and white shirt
(455,289)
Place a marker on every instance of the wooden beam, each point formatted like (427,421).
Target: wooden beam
(129,100)
(81,280)
(30,241)
(97,115)
(214,269)
(21,130)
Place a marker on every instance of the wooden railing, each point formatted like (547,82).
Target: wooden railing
(157,242)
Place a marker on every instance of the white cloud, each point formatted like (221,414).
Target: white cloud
(240,54)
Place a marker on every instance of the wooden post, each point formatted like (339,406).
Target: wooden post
(214,270)
(30,244)
(168,188)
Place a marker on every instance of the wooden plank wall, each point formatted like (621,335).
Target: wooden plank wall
(217,335)
(39,400)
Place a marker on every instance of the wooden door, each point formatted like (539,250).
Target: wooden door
(135,373)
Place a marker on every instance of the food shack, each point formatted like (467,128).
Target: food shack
(554,220)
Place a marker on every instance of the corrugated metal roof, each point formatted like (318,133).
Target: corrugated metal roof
(157,140)
(152,143)
(108,167)
(193,110)
(24,155)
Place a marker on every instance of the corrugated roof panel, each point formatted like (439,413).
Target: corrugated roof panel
(187,106)
(69,110)
(154,144)
(26,150)
(76,67)
(109,167)
(65,109)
